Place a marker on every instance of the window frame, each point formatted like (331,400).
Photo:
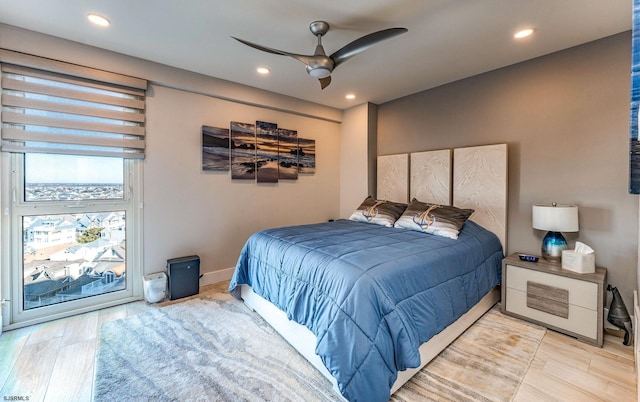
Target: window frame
(15,207)
(12,201)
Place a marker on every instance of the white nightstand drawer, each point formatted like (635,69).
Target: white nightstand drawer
(580,320)
(565,301)
(581,293)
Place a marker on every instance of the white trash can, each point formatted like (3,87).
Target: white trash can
(155,287)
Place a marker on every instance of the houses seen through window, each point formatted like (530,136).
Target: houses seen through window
(82,253)
(72,256)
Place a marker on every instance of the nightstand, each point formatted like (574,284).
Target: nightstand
(544,293)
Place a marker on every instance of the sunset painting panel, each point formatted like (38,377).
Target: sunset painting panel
(243,150)
(266,152)
(306,156)
(215,148)
(287,154)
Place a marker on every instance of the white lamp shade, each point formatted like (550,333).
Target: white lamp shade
(555,218)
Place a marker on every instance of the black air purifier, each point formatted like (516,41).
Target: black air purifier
(184,276)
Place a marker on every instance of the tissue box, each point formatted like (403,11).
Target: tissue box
(580,263)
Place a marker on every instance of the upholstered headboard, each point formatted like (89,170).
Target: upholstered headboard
(471,177)
(393,182)
(480,182)
(431,176)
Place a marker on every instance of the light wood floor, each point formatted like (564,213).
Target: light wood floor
(55,362)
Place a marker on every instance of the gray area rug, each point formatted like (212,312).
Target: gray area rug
(213,348)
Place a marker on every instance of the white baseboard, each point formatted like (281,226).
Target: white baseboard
(209,278)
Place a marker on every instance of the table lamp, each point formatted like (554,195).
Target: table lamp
(555,219)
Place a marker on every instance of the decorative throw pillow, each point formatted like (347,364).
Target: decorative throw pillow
(440,220)
(380,212)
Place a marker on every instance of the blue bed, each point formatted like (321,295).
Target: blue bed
(370,294)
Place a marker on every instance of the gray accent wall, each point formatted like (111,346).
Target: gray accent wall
(565,118)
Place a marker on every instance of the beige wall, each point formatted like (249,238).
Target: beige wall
(565,118)
(188,211)
(358,156)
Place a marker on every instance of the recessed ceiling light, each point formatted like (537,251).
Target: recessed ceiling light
(524,33)
(350,96)
(263,70)
(98,19)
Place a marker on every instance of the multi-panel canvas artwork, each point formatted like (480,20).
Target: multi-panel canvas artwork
(260,151)
(215,148)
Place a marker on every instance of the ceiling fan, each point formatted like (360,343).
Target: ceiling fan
(319,65)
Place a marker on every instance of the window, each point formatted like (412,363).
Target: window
(78,254)
(72,178)
(73,138)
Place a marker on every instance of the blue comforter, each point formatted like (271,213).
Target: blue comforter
(370,294)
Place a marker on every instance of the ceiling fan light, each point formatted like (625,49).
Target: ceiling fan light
(320,72)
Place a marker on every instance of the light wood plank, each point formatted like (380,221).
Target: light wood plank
(618,393)
(550,348)
(47,331)
(528,393)
(613,344)
(594,384)
(617,372)
(11,345)
(567,346)
(81,328)
(31,373)
(556,389)
(72,377)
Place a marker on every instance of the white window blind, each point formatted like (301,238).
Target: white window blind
(54,107)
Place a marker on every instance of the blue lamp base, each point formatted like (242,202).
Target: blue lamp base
(552,246)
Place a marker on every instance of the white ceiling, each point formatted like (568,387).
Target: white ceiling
(447,39)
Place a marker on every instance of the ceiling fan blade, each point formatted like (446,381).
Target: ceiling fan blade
(300,57)
(324,82)
(363,43)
